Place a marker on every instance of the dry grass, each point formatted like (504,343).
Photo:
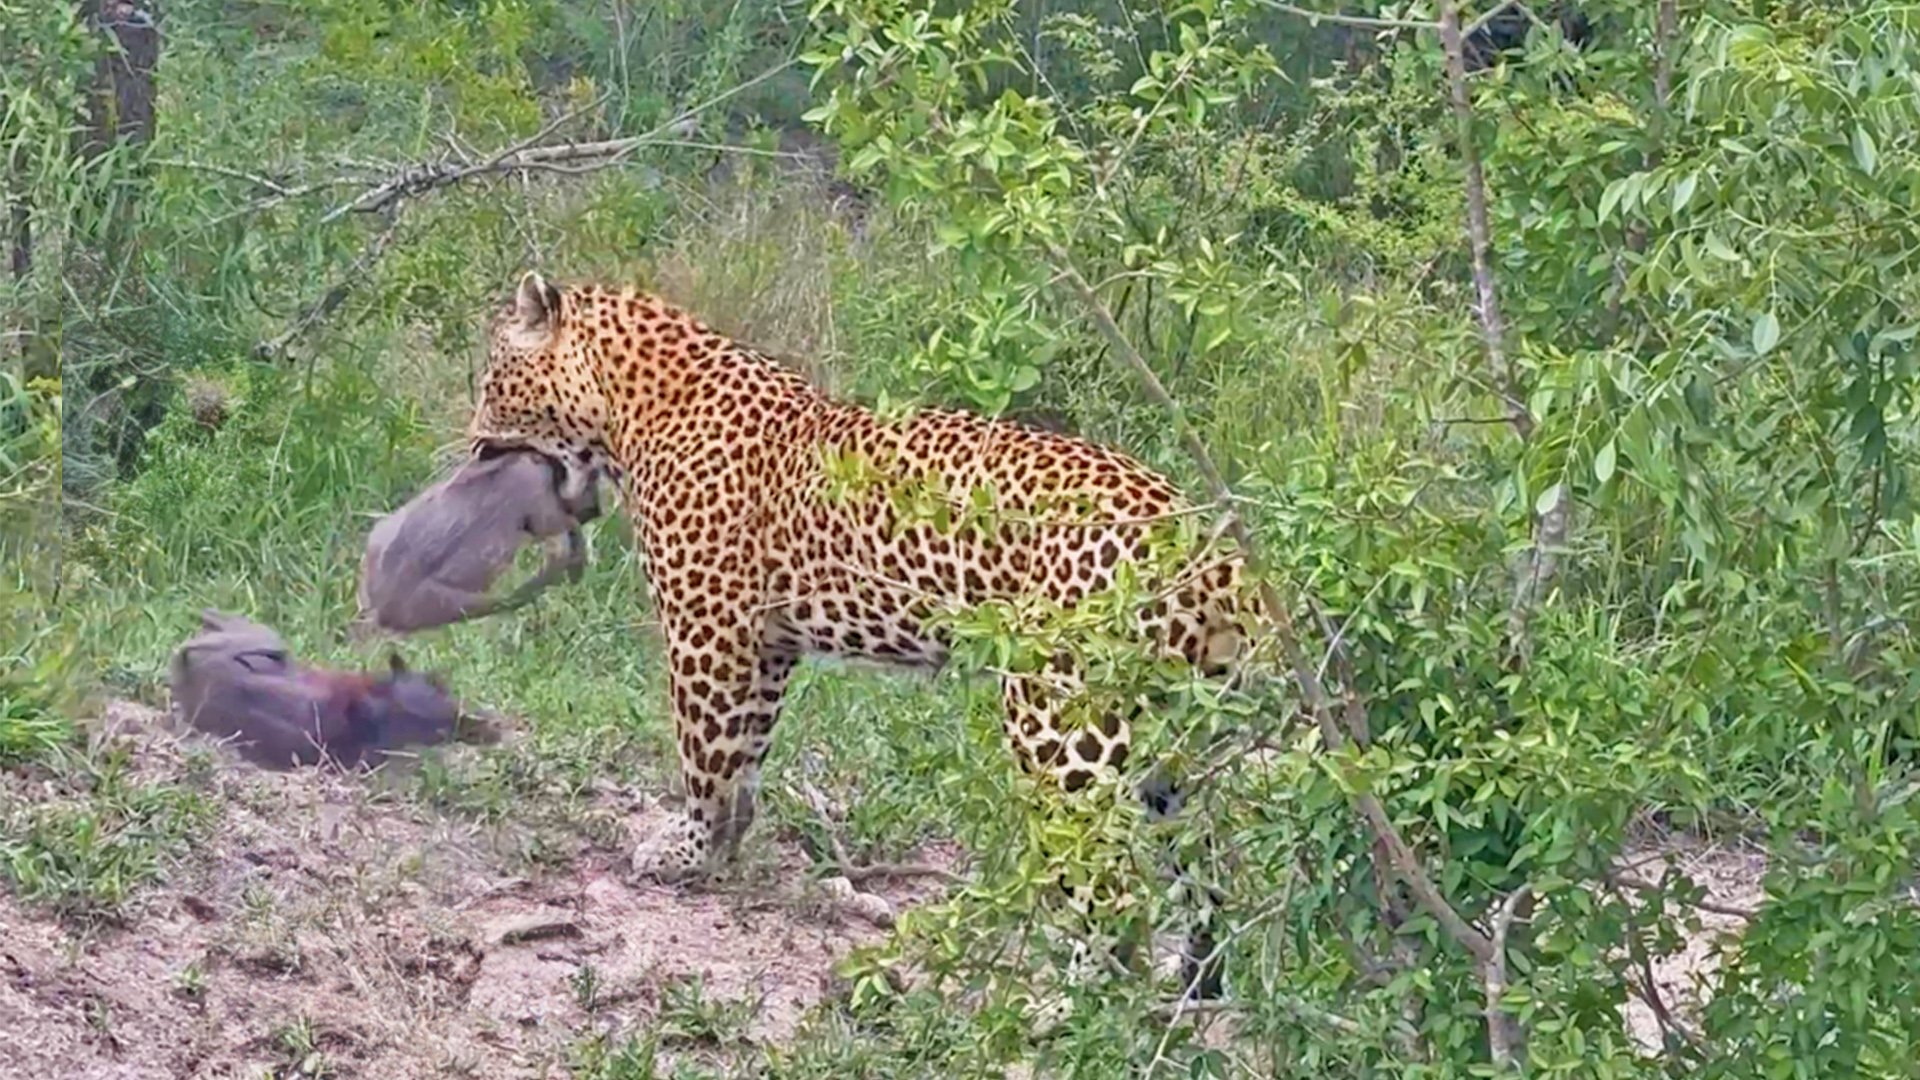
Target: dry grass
(760,266)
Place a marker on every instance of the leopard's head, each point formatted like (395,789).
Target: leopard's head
(539,391)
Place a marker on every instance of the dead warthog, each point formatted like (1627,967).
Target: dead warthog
(237,682)
(432,561)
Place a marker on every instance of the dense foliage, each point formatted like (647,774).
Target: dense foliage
(1614,547)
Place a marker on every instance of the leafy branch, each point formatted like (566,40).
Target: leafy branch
(1323,705)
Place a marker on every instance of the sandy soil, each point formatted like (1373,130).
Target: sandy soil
(328,918)
(1730,875)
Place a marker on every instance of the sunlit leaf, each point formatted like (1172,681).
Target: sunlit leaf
(1766,333)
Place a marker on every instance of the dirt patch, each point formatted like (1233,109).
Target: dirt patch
(1730,875)
(331,923)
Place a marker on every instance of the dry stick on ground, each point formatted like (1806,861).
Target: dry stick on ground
(1320,703)
(853,872)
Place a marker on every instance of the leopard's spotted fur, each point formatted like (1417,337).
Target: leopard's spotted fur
(722,454)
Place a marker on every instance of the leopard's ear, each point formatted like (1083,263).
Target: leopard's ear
(536,304)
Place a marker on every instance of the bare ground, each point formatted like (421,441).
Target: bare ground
(1730,875)
(330,928)
(327,917)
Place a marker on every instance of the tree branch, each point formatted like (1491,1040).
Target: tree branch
(336,294)
(1479,231)
(1503,1034)
(1534,569)
(1404,861)
(387,196)
(1359,22)
(525,156)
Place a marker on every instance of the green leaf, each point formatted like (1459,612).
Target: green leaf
(1610,198)
(1547,499)
(1766,333)
(1603,462)
(1683,192)
(1863,150)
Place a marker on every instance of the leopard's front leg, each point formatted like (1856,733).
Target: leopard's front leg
(728,683)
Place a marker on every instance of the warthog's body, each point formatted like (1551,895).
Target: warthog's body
(236,681)
(432,561)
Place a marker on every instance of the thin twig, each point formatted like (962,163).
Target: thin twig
(230,173)
(856,873)
(525,156)
(335,295)
(1638,884)
(1647,987)
(1185,1005)
(1358,22)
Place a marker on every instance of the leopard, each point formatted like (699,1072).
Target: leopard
(756,555)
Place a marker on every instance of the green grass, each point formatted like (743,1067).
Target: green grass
(82,830)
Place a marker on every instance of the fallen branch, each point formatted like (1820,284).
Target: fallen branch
(857,873)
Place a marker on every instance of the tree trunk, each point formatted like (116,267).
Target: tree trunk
(100,255)
(120,104)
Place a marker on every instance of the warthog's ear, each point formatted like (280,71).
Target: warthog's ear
(395,664)
(536,304)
